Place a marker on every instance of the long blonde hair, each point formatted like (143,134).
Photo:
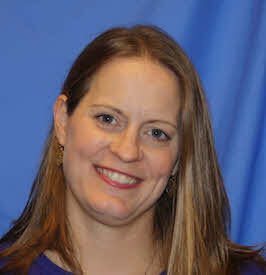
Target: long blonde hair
(191,217)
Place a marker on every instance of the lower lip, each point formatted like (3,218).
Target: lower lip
(117,184)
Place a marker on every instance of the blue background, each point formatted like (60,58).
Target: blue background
(225,40)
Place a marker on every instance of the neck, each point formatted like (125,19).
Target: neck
(104,249)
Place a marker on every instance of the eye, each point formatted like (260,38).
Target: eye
(159,135)
(106,119)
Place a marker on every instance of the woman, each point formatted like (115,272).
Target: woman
(129,181)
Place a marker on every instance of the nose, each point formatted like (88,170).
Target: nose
(126,147)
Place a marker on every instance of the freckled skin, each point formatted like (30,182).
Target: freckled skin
(143,92)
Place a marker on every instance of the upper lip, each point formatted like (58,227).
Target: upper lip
(117,171)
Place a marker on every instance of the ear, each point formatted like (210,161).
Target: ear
(60,118)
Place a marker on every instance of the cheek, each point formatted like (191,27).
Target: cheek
(84,145)
(85,140)
(161,165)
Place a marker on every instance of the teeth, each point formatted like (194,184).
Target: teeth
(114,176)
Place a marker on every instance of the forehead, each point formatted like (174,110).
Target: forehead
(132,83)
(137,68)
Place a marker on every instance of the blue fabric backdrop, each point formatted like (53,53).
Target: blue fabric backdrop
(225,40)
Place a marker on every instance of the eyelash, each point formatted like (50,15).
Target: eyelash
(166,137)
(107,123)
(101,117)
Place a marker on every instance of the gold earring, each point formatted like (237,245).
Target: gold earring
(170,185)
(59,154)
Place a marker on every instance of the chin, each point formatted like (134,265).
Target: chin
(116,215)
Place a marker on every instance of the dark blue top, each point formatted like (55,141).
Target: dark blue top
(42,266)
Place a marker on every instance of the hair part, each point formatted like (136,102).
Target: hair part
(191,218)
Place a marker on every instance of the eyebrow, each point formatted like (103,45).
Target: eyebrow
(121,113)
(108,106)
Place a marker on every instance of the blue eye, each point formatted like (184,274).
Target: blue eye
(159,134)
(107,119)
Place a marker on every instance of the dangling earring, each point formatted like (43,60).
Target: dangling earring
(59,154)
(169,186)
(172,179)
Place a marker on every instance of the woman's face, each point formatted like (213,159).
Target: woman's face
(120,142)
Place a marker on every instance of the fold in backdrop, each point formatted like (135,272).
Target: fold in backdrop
(224,38)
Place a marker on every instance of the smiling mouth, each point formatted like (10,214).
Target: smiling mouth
(116,178)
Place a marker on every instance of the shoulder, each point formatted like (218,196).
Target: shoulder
(251,268)
(40,266)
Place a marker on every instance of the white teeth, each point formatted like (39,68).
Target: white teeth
(114,176)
